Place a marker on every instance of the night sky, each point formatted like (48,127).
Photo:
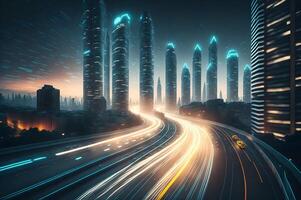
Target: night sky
(41,39)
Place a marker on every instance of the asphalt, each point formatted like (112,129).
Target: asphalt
(179,158)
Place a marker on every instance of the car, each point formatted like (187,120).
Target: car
(235,137)
(241,144)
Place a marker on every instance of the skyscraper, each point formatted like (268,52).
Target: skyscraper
(185,85)
(204,96)
(247,84)
(171,77)
(106,70)
(93,45)
(212,70)
(220,95)
(197,73)
(120,68)
(48,99)
(232,75)
(159,92)
(146,63)
(276,67)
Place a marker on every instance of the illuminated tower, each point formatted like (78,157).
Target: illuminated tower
(197,73)
(171,78)
(232,75)
(204,97)
(185,85)
(120,57)
(159,92)
(276,67)
(146,63)
(212,70)
(106,70)
(93,46)
(247,84)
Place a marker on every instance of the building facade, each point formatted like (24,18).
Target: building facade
(120,58)
(197,74)
(275,67)
(93,47)
(146,63)
(107,71)
(48,99)
(204,96)
(212,70)
(159,92)
(170,77)
(185,85)
(232,75)
(247,84)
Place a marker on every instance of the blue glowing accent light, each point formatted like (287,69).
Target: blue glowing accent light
(39,158)
(185,66)
(14,165)
(78,158)
(170,44)
(198,47)
(20,163)
(87,52)
(247,67)
(210,64)
(119,18)
(232,53)
(213,39)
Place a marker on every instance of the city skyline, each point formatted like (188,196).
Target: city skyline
(68,78)
(150,99)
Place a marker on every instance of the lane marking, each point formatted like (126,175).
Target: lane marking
(261,180)
(78,158)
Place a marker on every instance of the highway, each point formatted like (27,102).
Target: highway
(177,158)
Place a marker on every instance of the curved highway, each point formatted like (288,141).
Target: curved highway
(176,158)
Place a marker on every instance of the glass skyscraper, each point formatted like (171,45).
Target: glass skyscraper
(276,67)
(93,46)
(197,74)
(212,70)
(232,75)
(146,63)
(247,84)
(107,70)
(185,85)
(159,92)
(120,68)
(171,78)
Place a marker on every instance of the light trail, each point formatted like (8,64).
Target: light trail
(20,163)
(190,153)
(155,124)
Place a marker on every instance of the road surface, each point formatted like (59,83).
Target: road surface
(178,158)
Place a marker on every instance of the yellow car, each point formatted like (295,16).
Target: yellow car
(241,144)
(235,137)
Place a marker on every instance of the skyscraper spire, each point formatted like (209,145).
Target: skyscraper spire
(146,63)
(185,85)
(247,84)
(232,75)
(212,70)
(120,78)
(197,73)
(93,48)
(170,77)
